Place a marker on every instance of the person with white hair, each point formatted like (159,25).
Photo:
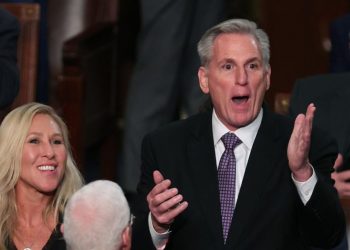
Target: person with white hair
(98,217)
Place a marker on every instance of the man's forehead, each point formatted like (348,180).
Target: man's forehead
(229,44)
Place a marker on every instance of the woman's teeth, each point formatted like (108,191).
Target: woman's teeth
(46,168)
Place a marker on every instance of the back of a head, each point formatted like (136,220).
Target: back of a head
(96,216)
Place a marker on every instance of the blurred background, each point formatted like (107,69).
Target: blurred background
(84,51)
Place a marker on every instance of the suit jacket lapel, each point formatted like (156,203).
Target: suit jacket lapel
(260,165)
(202,168)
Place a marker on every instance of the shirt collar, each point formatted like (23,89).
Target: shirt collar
(246,134)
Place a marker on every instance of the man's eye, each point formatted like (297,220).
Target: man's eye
(253,66)
(227,66)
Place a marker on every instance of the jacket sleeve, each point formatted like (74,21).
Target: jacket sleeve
(322,219)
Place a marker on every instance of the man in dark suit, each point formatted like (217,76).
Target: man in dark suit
(283,195)
(340,40)
(331,95)
(9,75)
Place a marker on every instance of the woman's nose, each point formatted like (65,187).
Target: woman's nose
(48,150)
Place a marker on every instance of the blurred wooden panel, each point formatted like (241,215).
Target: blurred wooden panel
(28,15)
(298,31)
(86,90)
(67,18)
(101,11)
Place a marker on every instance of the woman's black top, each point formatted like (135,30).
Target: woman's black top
(55,242)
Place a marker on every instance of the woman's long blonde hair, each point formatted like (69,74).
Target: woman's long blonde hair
(13,131)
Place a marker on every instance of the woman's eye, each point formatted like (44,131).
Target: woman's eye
(57,142)
(34,141)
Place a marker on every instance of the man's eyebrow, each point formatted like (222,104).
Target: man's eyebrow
(254,59)
(227,60)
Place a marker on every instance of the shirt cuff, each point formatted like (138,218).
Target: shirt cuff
(306,188)
(159,239)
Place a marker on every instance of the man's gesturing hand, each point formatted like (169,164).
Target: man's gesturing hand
(165,203)
(299,145)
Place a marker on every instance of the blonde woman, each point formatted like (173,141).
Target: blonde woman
(37,176)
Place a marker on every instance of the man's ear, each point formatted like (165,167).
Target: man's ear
(268,76)
(62,228)
(203,79)
(126,239)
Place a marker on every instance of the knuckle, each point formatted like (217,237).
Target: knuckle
(163,219)
(163,206)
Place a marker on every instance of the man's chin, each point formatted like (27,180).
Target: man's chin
(241,121)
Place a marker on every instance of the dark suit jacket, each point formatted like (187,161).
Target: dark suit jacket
(269,213)
(331,95)
(9,74)
(340,40)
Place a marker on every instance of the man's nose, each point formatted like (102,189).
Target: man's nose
(241,76)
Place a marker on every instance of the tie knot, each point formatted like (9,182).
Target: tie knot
(230,140)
